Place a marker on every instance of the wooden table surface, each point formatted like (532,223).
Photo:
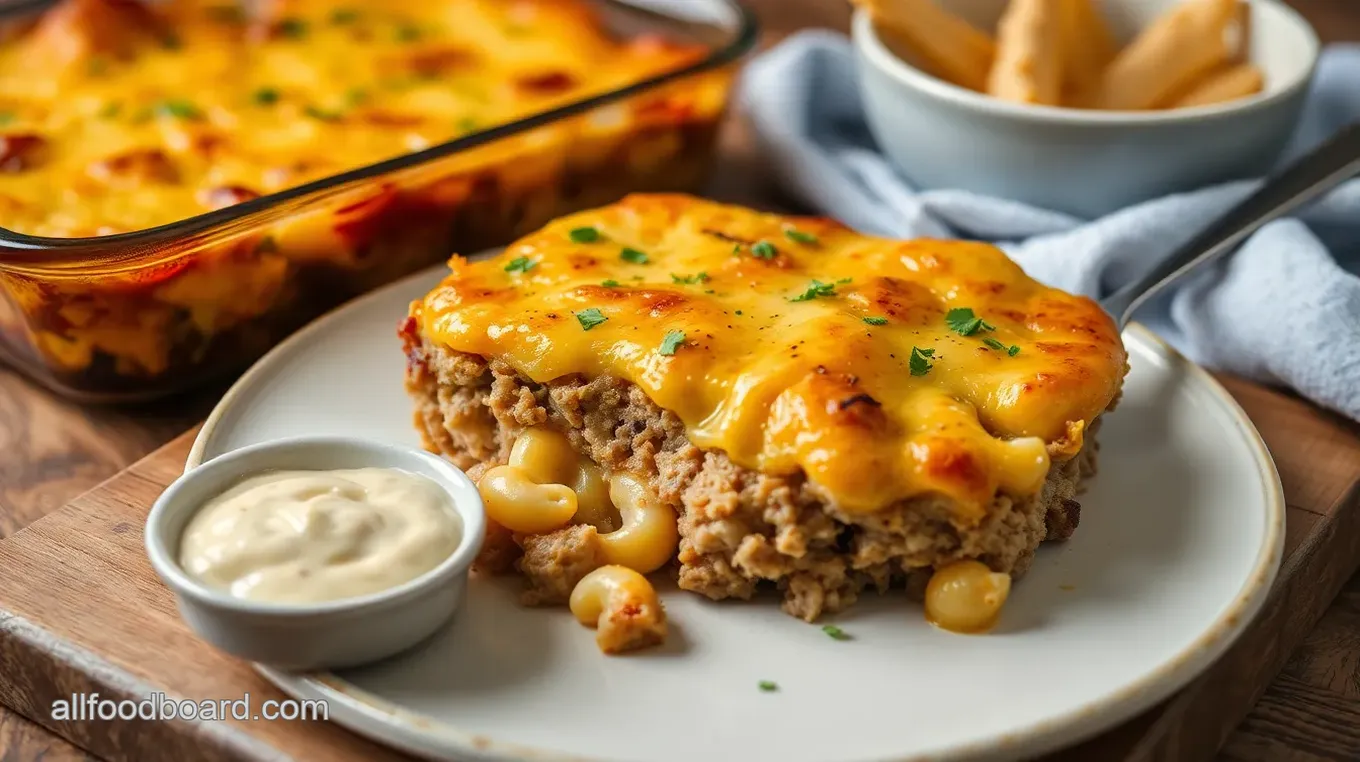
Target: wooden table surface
(51,451)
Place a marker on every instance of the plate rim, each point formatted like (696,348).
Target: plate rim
(392,725)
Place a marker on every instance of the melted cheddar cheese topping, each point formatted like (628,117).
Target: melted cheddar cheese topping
(119,116)
(795,343)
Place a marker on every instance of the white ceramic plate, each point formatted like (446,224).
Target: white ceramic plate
(1180,538)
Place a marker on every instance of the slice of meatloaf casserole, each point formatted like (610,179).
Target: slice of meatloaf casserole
(820,411)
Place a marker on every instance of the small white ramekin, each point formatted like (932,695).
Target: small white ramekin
(328,635)
(1087,163)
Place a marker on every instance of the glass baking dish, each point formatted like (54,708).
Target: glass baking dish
(137,315)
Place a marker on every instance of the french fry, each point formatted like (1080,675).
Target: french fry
(951,48)
(1227,84)
(1242,44)
(1088,46)
(1028,41)
(1169,56)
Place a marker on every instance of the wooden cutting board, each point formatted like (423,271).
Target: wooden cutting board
(82,612)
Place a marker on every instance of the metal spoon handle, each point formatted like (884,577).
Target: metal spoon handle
(1326,167)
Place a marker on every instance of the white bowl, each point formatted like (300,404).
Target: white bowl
(334,634)
(1086,163)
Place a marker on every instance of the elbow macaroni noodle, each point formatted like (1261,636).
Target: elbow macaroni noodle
(545,456)
(966,597)
(649,535)
(548,458)
(517,503)
(622,606)
(606,589)
(547,485)
(594,505)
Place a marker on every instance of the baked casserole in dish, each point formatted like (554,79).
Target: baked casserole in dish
(182,183)
(815,410)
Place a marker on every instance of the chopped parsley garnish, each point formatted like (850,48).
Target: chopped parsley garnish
(110,110)
(520,265)
(875,320)
(356,95)
(633,256)
(266,96)
(322,114)
(920,362)
(672,342)
(818,289)
(736,250)
(467,124)
(962,321)
(590,317)
(584,235)
(768,686)
(1012,350)
(611,283)
(292,28)
(798,236)
(738,312)
(763,250)
(690,280)
(835,632)
(178,109)
(408,33)
(6,117)
(344,16)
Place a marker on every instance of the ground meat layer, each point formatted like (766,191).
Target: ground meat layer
(740,529)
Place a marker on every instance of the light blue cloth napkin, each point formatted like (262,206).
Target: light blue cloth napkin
(1285,309)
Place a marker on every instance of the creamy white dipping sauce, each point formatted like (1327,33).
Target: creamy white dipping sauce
(315,536)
